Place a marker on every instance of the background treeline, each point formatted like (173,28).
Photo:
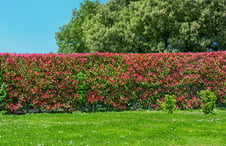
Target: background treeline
(144,26)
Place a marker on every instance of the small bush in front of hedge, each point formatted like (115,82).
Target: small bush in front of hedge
(208,100)
(169,103)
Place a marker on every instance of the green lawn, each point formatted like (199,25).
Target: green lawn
(114,128)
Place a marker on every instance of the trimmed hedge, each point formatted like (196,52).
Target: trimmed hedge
(48,82)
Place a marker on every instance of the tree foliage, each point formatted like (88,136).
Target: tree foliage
(144,26)
(71,38)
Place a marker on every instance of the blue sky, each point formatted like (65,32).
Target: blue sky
(29,26)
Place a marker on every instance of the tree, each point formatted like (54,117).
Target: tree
(200,26)
(145,26)
(70,39)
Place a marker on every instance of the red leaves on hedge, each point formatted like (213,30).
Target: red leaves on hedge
(51,82)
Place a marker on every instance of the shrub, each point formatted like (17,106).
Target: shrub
(169,103)
(208,100)
(48,82)
(3,94)
(82,87)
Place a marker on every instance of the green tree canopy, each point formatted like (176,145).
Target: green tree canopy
(71,38)
(144,26)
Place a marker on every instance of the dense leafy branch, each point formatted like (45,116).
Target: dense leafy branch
(144,26)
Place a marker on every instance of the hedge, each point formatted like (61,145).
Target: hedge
(49,82)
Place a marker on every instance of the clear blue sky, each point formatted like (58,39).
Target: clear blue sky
(29,26)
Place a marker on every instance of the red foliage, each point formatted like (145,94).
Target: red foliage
(51,81)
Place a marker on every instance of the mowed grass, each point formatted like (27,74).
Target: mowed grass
(114,128)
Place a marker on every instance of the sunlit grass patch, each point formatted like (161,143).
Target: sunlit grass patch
(114,128)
